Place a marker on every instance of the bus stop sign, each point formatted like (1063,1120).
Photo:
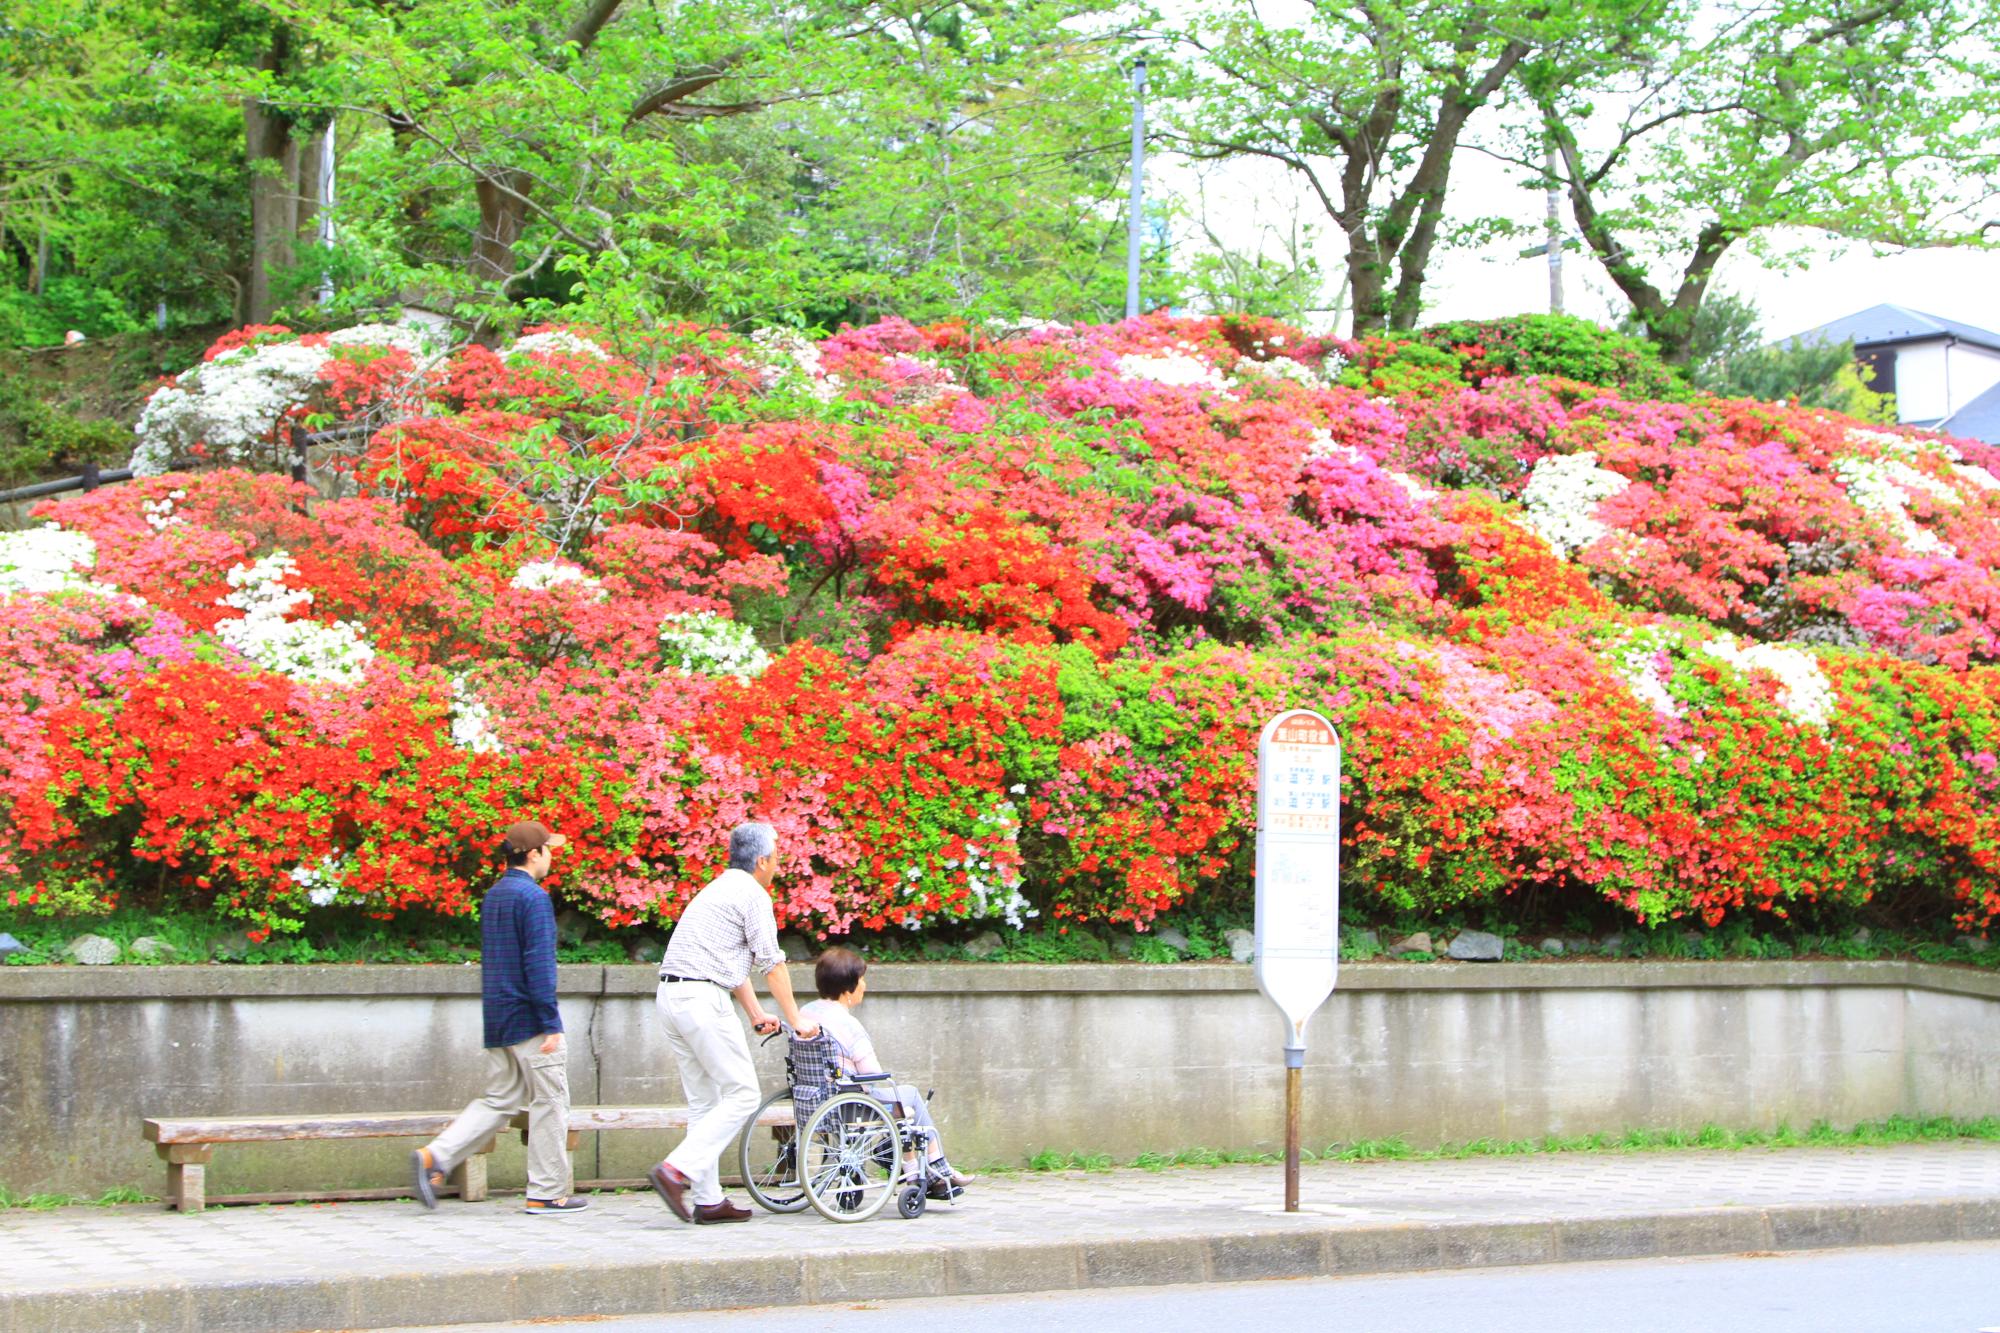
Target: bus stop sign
(1298,867)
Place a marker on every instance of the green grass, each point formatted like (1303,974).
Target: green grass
(1871,1133)
(1153,1161)
(43,1202)
(1070,1161)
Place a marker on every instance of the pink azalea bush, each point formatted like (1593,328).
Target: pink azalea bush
(986,619)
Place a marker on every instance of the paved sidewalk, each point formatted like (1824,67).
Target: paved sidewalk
(374,1265)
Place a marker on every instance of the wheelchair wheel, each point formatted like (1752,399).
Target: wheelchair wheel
(852,1158)
(910,1203)
(768,1157)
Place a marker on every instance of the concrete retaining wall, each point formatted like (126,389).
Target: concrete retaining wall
(1117,1059)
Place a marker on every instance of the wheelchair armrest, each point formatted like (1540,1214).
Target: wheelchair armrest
(863,1078)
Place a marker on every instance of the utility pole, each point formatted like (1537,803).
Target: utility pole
(1138,187)
(1555,228)
(326,211)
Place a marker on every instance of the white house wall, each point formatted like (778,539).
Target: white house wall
(1920,382)
(1935,379)
(1974,370)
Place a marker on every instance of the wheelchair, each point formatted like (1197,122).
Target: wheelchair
(845,1151)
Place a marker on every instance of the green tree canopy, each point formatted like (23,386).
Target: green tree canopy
(1713,125)
(1368,102)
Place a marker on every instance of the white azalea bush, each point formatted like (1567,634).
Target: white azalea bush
(557,341)
(320,881)
(1643,658)
(1182,366)
(1884,487)
(1803,689)
(548,575)
(993,887)
(1562,496)
(226,410)
(411,338)
(160,514)
(48,559)
(472,720)
(709,644)
(265,632)
(792,360)
(229,411)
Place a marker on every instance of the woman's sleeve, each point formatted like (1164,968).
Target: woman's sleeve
(863,1053)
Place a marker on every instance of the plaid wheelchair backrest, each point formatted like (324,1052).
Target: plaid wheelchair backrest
(814,1065)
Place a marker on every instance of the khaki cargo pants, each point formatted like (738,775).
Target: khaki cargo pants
(519,1078)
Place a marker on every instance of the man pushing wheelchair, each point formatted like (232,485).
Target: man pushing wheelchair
(856,1139)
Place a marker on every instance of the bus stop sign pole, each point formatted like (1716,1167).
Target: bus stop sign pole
(1298,890)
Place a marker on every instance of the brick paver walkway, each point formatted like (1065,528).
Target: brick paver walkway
(67,1255)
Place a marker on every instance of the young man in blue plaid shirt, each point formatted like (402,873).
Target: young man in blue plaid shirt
(526,1065)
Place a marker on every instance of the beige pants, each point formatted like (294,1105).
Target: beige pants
(716,1072)
(519,1077)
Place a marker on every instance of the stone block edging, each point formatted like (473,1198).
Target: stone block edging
(349,980)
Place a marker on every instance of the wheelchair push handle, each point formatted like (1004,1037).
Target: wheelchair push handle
(789,1032)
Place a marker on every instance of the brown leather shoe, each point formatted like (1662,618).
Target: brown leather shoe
(671,1185)
(720,1212)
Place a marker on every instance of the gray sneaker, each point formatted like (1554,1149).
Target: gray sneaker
(425,1184)
(543,1207)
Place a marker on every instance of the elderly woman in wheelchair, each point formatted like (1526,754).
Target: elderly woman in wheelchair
(857,1138)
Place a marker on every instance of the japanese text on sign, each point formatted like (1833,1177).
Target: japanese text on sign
(1298,865)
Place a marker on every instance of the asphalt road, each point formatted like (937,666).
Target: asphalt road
(1899,1289)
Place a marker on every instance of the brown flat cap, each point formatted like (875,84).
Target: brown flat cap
(531,835)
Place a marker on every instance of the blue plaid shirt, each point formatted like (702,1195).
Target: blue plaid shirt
(517,957)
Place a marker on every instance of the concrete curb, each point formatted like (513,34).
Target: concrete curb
(1291,1248)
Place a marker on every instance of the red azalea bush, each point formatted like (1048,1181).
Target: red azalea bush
(986,620)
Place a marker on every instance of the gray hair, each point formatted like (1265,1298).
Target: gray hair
(750,843)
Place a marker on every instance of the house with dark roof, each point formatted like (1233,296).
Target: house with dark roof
(1944,374)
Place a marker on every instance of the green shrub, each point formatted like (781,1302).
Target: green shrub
(1384,366)
(1556,345)
(39,441)
(31,320)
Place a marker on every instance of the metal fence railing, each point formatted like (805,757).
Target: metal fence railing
(91,479)
(301,440)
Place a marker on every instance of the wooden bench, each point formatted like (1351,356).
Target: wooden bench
(187,1144)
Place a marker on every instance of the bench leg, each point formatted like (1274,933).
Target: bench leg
(187,1175)
(470,1174)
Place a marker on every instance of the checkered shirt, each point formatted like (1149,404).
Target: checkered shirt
(725,932)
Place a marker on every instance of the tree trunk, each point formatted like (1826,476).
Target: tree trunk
(1410,229)
(1407,306)
(503,216)
(1367,282)
(273,158)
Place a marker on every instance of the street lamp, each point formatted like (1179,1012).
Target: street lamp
(1138,187)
